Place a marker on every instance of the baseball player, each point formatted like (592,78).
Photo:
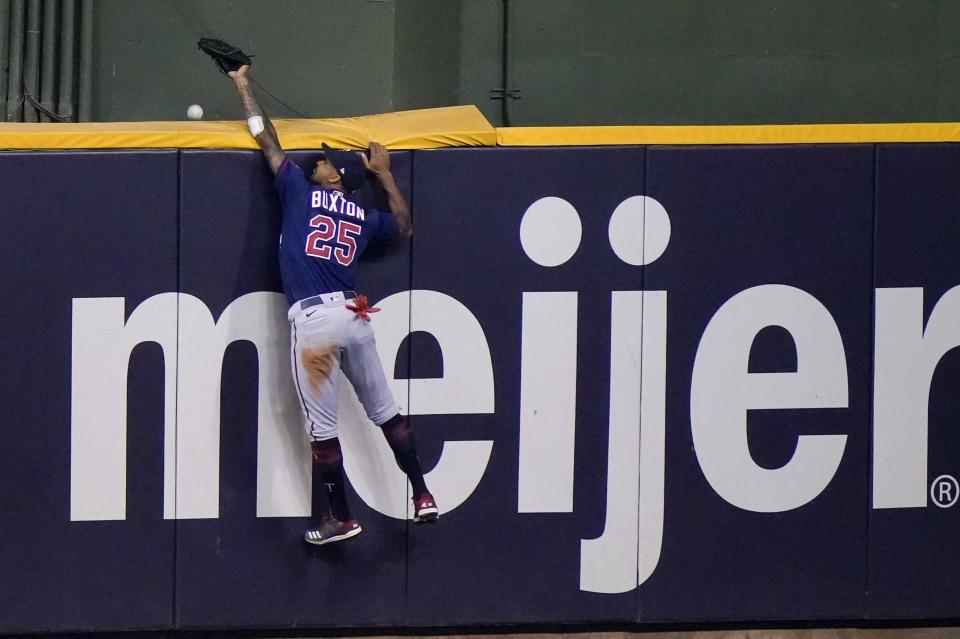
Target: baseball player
(323,236)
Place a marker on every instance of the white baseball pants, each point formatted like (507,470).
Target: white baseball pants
(332,328)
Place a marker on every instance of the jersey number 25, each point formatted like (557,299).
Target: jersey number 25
(327,228)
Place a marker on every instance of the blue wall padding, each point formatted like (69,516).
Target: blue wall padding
(836,221)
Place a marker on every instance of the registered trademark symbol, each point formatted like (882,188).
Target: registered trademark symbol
(944,491)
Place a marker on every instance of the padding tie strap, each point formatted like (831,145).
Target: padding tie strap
(361,308)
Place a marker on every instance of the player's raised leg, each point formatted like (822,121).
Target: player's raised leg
(361,364)
(400,437)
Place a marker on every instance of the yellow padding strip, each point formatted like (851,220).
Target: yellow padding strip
(446,127)
(422,129)
(729,134)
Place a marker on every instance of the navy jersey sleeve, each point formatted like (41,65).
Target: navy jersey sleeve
(386,229)
(290,182)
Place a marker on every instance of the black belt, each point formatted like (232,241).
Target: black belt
(316,300)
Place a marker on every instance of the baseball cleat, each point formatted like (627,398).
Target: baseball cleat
(425,509)
(331,530)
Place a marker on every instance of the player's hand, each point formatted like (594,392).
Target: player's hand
(240,73)
(379,160)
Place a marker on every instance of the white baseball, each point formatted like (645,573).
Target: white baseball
(194,112)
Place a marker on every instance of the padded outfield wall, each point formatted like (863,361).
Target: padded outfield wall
(691,383)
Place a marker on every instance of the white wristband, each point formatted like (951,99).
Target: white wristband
(255,125)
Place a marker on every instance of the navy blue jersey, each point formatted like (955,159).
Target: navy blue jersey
(323,235)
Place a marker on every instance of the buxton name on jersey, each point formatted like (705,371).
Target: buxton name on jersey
(323,235)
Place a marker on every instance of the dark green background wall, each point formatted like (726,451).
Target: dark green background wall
(575,61)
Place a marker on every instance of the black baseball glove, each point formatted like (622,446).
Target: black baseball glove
(228,57)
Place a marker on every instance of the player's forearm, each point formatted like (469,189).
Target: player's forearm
(267,137)
(398,204)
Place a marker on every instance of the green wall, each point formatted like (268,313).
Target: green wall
(426,54)
(326,58)
(737,61)
(575,61)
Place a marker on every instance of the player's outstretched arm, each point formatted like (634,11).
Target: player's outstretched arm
(261,128)
(379,165)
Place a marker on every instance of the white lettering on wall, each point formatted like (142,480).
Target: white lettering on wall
(548,402)
(102,344)
(722,391)
(906,358)
(101,347)
(628,551)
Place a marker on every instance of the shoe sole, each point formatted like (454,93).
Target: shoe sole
(347,535)
(427,515)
